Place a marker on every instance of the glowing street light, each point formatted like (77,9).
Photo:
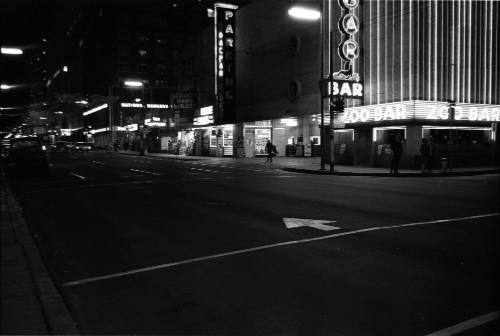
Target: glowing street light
(6,86)
(133,83)
(11,51)
(309,14)
(304,13)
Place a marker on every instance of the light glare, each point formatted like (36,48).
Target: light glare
(133,83)
(304,13)
(11,51)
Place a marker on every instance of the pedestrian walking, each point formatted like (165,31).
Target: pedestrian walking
(426,155)
(397,151)
(270,151)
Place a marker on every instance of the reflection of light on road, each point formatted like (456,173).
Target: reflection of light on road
(79,176)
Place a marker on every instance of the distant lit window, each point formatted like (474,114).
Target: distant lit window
(123,67)
(142,52)
(161,41)
(142,68)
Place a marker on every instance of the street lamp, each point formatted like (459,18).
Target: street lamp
(11,51)
(310,14)
(132,84)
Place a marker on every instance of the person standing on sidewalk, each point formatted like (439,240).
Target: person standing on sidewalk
(397,151)
(270,151)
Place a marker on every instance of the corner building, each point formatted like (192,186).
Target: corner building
(429,69)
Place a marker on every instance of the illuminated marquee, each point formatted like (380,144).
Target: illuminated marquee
(225,52)
(419,111)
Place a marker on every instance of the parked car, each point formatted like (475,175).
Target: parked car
(63,146)
(82,146)
(27,156)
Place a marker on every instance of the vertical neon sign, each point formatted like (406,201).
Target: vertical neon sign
(225,53)
(348,49)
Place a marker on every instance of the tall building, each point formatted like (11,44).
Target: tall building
(102,47)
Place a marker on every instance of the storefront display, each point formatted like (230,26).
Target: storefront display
(261,137)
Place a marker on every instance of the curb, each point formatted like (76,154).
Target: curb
(55,311)
(444,174)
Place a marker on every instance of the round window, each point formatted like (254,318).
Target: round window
(294,44)
(294,90)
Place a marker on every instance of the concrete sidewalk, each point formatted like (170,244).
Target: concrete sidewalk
(31,305)
(311,165)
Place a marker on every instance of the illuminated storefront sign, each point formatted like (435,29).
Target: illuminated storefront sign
(139,105)
(346,89)
(154,122)
(132,127)
(225,52)
(419,111)
(206,116)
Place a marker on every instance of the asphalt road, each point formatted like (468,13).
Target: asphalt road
(147,245)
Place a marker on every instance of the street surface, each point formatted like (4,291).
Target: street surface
(150,245)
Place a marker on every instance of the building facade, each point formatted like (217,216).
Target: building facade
(429,69)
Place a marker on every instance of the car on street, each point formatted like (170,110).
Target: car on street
(82,146)
(27,155)
(62,146)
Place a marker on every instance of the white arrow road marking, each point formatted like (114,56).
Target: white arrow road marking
(315,223)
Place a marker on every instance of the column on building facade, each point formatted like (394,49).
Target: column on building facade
(306,125)
(412,146)
(238,141)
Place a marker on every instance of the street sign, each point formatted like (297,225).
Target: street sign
(314,223)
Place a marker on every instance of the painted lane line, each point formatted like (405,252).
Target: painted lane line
(146,172)
(98,162)
(79,176)
(466,325)
(264,247)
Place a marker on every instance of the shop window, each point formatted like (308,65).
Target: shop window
(315,140)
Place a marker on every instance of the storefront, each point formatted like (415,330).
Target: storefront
(463,135)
